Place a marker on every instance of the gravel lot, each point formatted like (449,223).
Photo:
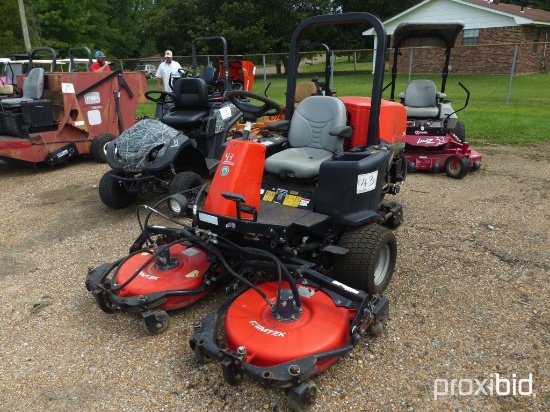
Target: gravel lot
(469,299)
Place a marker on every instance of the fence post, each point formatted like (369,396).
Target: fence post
(512,74)
(332,59)
(410,64)
(354,61)
(265,73)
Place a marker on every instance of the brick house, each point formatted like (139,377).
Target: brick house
(493,33)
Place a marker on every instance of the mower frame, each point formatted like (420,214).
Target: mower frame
(325,218)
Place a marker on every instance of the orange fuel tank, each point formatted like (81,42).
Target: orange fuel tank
(240,172)
(392,124)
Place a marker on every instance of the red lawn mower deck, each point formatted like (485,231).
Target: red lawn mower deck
(284,333)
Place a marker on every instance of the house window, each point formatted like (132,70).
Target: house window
(470,37)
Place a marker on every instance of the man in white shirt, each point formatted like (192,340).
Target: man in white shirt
(166,69)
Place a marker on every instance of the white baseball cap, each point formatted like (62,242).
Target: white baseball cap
(168,53)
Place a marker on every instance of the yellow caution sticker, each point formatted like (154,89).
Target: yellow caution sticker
(292,201)
(193,274)
(269,196)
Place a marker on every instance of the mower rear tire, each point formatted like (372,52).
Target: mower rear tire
(460,131)
(113,194)
(184,181)
(461,169)
(302,397)
(98,148)
(371,258)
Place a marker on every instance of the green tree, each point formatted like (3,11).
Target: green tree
(11,35)
(117,27)
(58,24)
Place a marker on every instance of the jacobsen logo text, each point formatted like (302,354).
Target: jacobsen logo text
(498,386)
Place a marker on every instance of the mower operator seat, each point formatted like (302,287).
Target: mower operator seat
(314,136)
(420,99)
(209,74)
(33,89)
(190,104)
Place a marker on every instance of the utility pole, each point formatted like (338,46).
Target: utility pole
(24,26)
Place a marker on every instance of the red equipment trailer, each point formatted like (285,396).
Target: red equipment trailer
(68,113)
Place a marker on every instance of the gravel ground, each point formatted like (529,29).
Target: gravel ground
(469,300)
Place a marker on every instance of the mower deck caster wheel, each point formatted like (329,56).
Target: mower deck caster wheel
(461,169)
(155,321)
(376,328)
(302,397)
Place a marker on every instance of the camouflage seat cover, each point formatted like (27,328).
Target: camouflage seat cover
(135,144)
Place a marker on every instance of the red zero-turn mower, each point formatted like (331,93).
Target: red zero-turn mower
(305,219)
(436,139)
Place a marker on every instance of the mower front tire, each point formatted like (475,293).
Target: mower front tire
(113,194)
(98,148)
(461,169)
(184,181)
(371,258)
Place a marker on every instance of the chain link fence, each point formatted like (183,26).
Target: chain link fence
(503,73)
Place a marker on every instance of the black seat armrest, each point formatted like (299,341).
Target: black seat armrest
(213,106)
(344,132)
(208,127)
(282,125)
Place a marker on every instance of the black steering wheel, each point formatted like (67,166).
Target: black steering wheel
(185,72)
(163,98)
(251,111)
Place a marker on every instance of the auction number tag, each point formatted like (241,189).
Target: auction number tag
(225,112)
(67,87)
(366,182)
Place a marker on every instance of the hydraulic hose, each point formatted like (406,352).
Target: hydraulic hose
(281,268)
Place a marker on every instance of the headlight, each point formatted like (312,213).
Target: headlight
(178,204)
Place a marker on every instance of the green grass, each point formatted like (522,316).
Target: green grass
(488,116)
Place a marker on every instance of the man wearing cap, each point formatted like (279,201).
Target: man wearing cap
(166,69)
(100,64)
